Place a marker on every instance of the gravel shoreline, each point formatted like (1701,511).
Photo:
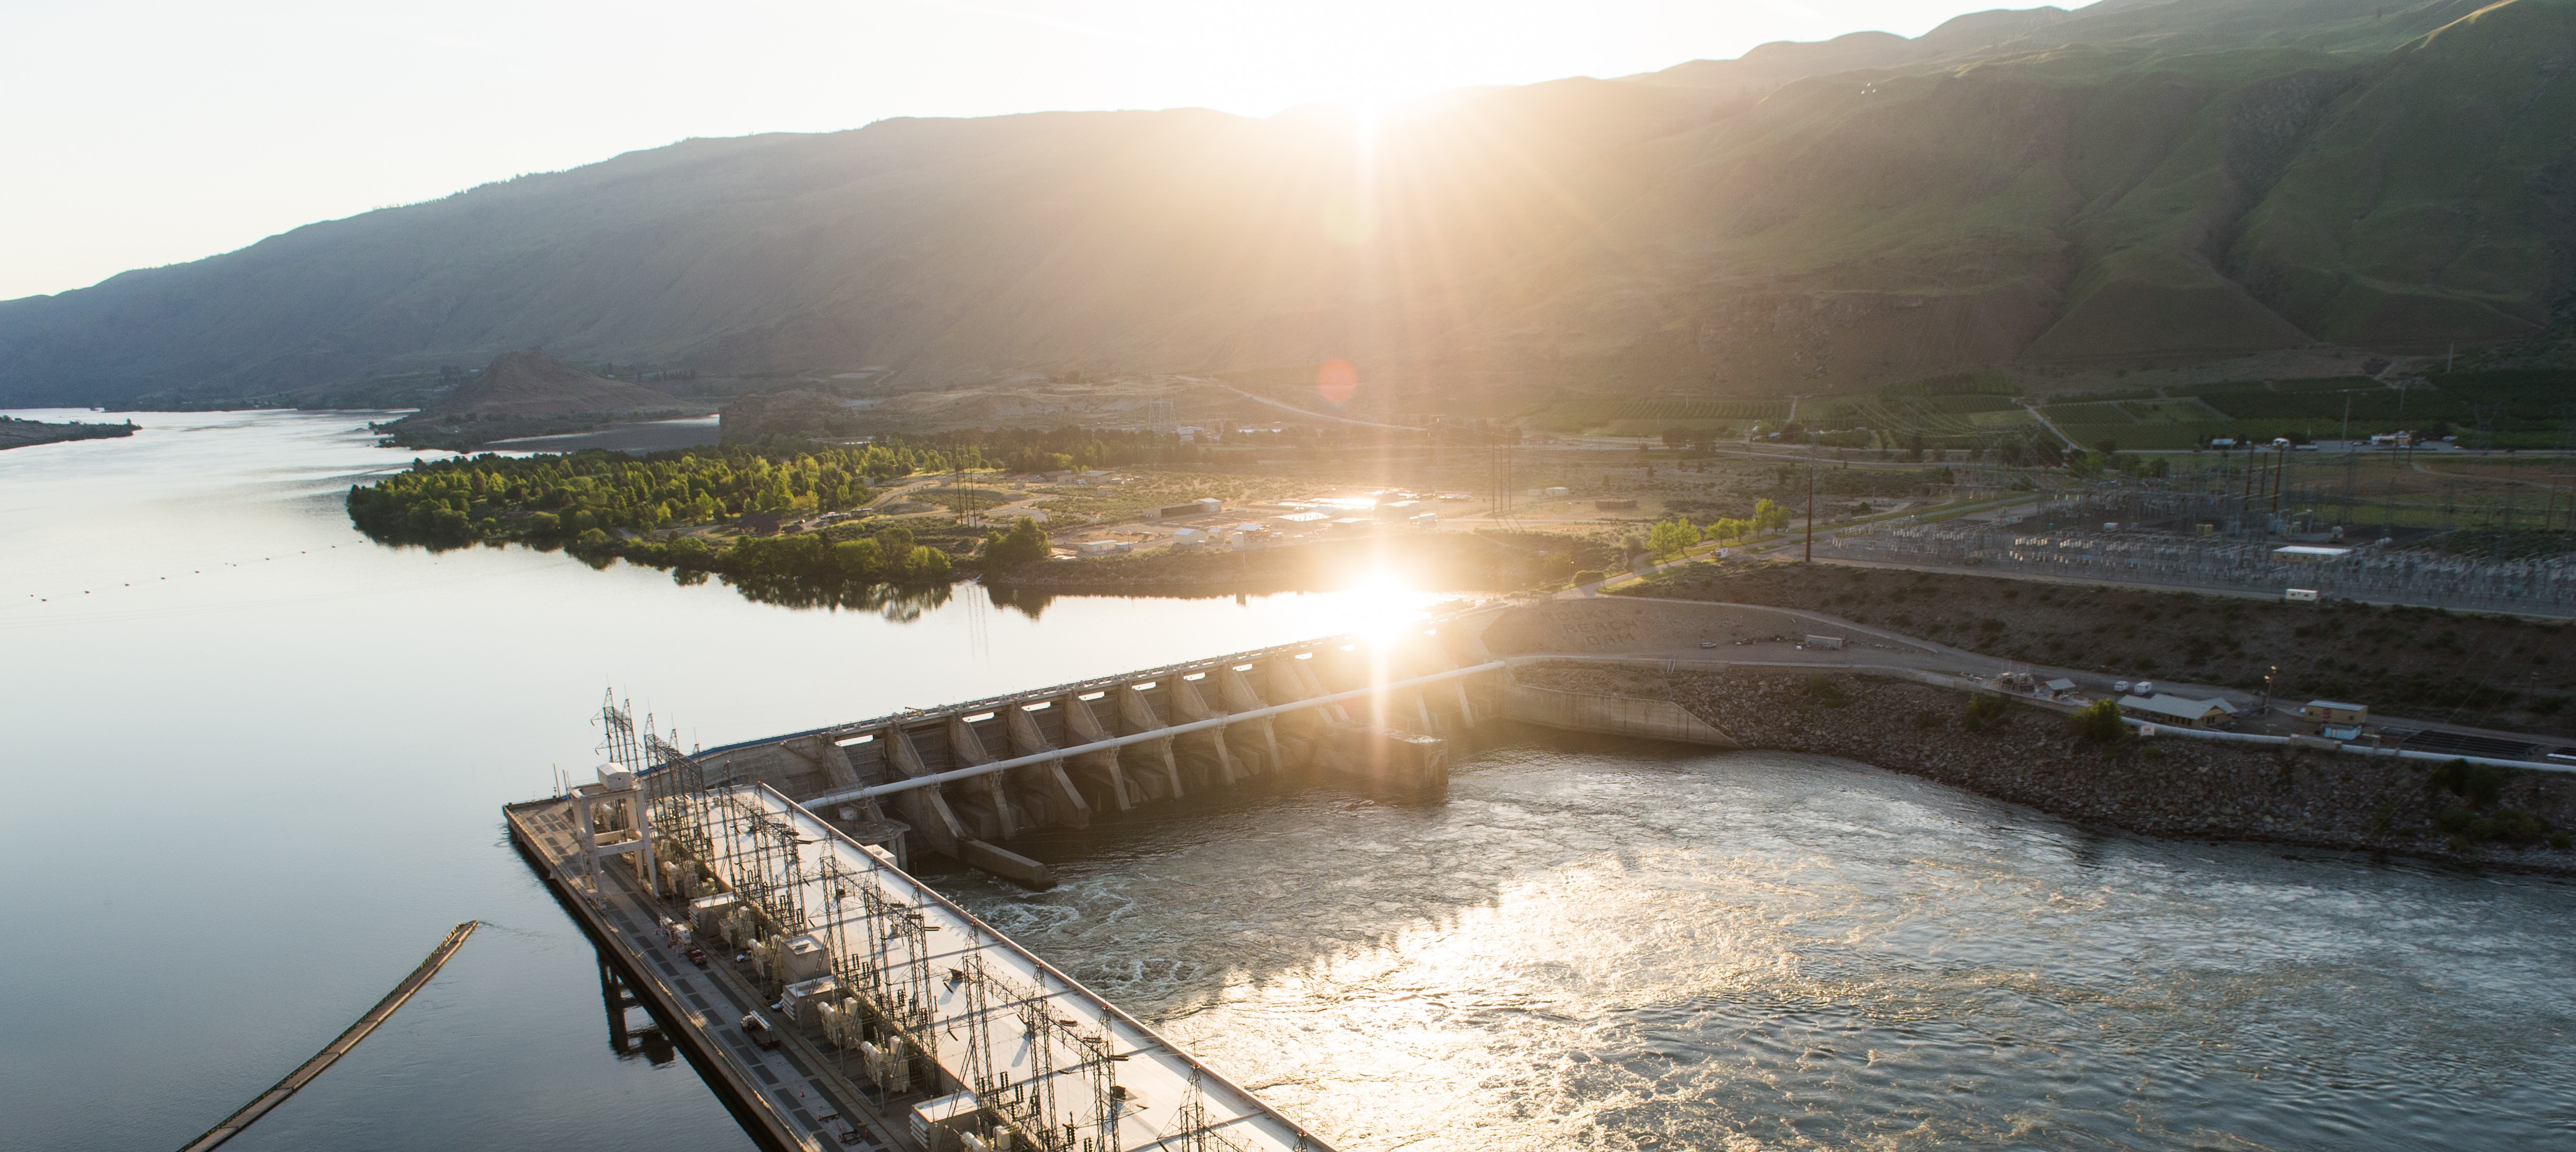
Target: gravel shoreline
(2169,788)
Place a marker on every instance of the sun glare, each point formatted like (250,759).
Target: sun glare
(1382,608)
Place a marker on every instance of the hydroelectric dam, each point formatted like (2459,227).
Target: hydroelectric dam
(757,897)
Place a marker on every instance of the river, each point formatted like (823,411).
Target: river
(255,764)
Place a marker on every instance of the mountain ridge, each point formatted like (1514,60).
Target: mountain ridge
(2131,182)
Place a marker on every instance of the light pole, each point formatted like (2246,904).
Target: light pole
(2267,689)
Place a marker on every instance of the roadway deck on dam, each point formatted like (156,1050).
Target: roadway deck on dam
(902,1021)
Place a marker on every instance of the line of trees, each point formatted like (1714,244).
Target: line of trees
(462,500)
(556,498)
(1677,535)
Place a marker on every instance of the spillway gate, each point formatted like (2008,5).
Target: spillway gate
(964,779)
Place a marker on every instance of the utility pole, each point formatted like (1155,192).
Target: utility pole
(1811,511)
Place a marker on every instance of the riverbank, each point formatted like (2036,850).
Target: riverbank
(2425,663)
(2172,788)
(16,433)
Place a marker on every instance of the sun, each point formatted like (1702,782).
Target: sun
(1382,608)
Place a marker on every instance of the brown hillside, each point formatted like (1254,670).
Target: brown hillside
(2133,181)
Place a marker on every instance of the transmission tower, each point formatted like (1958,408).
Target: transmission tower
(1196,1133)
(617,732)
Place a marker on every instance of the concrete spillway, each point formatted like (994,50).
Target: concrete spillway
(965,779)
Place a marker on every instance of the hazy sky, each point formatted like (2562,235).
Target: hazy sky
(142,133)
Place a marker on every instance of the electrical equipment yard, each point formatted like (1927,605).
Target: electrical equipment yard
(913,1026)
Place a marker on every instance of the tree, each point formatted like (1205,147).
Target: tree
(1024,542)
(894,542)
(1672,537)
(1770,515)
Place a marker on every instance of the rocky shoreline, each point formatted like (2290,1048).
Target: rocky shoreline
(2172,788)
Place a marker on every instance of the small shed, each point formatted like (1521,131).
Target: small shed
(2163,708)
(2059,687)
(2334,712)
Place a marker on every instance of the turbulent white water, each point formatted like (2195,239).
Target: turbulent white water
(1592,945)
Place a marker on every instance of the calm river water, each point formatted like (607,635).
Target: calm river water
(254,765)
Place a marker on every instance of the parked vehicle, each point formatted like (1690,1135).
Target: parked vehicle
(698,956)
(758,1029)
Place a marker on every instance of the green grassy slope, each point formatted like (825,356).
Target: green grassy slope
(2436,202)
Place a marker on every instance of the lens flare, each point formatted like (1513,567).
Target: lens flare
(1336,381)
(1383,609)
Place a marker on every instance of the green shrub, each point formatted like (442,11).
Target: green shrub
(1587,576)
(2479,784)
(1823,690)
(1981,711)
(2514,826)
(2099,722)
